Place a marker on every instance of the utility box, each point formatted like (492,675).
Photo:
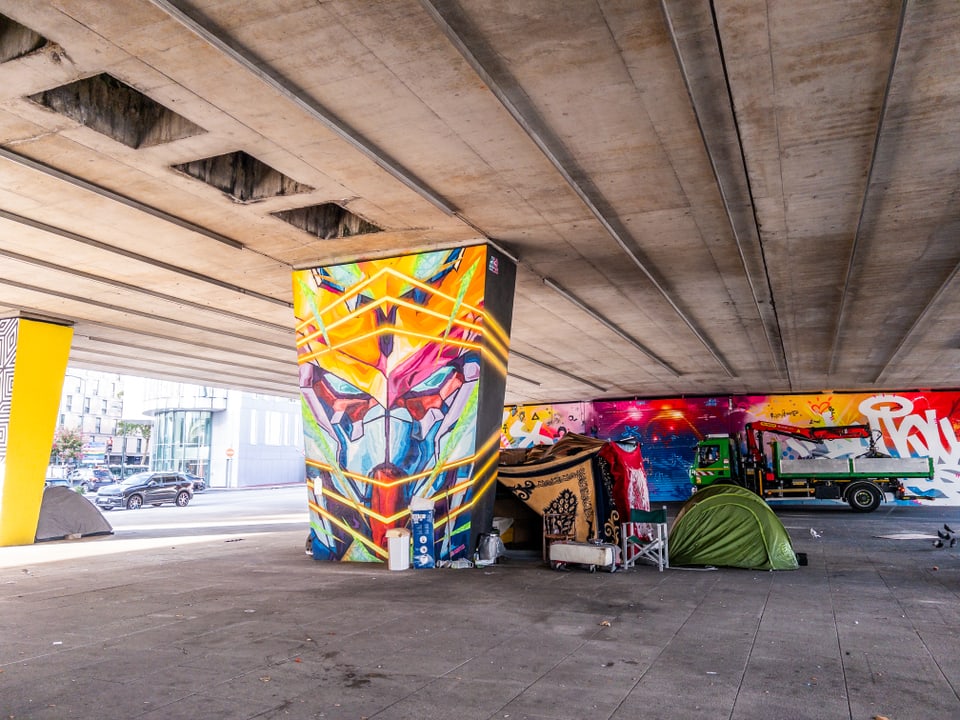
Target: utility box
(398,549)
(421,523)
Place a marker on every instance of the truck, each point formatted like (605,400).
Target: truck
(860,481)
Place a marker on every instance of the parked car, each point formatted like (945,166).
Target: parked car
(58,482)
(92,479)
(151,488)
(199,484)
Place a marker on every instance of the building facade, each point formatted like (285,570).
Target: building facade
(230,438)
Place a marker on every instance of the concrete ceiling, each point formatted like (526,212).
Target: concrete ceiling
(705,197)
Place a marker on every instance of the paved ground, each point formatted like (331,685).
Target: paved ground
(242,624)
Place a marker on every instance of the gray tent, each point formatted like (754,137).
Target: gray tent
(64,512)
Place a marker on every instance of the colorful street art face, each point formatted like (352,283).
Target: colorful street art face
(910,424)
(390,355)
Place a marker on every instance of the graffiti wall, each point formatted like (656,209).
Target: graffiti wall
(910,424)
(402,371)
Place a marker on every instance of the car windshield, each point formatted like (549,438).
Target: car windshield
(137,479)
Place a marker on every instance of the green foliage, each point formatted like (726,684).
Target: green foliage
(68,445)
(125,428)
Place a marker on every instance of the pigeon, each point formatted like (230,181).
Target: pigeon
(814,533)
(948,528)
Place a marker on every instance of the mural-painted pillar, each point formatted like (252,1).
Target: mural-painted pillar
(402,377)
(33,360)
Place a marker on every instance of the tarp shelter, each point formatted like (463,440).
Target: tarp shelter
(66,512)
(593,480)
(729,526)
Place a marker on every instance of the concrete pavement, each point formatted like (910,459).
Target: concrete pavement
(243,624)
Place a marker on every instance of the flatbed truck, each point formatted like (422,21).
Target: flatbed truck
(860,481)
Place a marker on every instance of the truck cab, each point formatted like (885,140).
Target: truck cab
(717,460)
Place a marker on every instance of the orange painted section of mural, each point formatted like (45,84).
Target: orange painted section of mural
(911,424)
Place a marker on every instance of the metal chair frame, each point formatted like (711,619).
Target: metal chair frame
(634,547)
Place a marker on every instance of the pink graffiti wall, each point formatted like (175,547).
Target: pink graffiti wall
(918,424)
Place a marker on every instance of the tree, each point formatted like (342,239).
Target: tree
(68,445)
(125,428)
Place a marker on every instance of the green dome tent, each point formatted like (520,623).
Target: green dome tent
(729,526)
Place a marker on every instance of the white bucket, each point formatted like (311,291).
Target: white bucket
(398,549)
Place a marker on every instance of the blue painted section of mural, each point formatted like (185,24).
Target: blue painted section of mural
(668,471)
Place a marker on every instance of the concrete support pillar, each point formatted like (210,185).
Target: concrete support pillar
(402,377)
(33,360)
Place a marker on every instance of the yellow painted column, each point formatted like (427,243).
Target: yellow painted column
(33,361)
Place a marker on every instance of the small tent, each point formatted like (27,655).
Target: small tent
(729,526)
(66,512)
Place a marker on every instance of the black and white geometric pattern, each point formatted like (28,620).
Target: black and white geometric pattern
(8,354)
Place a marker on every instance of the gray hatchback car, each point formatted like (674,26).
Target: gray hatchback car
(150,488)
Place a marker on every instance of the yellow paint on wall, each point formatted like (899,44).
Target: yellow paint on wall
(39,367)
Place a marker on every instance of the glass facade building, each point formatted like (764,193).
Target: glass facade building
(182,441)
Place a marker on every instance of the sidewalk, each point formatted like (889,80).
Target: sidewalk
(248,626)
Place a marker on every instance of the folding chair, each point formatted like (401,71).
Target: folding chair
(635,546)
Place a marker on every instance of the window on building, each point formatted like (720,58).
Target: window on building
(272,428)
(181,441)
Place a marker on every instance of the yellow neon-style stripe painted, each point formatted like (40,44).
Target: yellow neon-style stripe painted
(497,339)
(486,474)
(495,354)
(498,334)
(384,330)
(476,496)
(362,509)
(364,284)
(492,440)
(392,483)
(388,300)
(350,531)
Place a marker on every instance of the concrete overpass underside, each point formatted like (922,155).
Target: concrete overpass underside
(704,197)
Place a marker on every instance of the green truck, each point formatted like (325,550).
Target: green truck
(861,481)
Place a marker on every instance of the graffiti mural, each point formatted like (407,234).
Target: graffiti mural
(525,427)
(908,424)
(396,357)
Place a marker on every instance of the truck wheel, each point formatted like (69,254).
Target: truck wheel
(864,497)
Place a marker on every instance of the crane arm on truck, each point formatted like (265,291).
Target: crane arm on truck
(755,432)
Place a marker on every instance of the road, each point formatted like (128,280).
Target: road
(212,516)
(217,511)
